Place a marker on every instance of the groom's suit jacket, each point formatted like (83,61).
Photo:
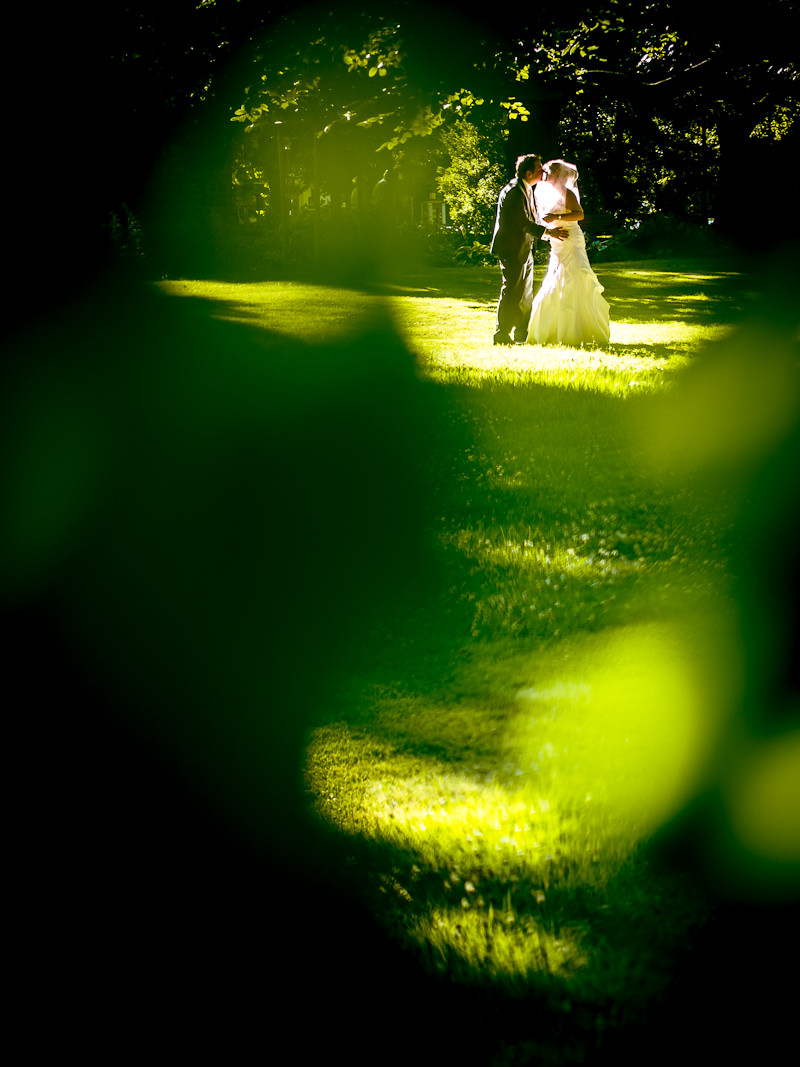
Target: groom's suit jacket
(515,226)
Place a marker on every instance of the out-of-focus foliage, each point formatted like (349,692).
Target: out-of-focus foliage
(345,71)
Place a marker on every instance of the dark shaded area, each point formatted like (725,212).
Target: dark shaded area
(736,991)
(725,288)
(201,521)
(689,300)
(179,593)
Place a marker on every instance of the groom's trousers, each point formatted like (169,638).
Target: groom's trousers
(516,299)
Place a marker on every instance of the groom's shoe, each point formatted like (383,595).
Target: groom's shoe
(520,338)
(502,339)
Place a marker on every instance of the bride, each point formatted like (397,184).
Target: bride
(569,308)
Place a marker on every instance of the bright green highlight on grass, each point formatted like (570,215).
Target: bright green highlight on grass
(640,722)
(577,772)
(498,781)
(449,326)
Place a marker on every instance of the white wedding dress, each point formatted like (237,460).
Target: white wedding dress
(569,308)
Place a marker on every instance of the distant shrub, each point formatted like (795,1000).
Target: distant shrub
(659,237)
(475,253)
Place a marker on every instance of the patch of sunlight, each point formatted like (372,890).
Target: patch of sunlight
(597,757)
(667,334)
(637,358)
(474,832)
(634,724)
(453,819)
(612,737)
(295,309)
(452,338)
(497,942)
(546,558)
(656,272)
(560,366)
(406,289)
(487,823)
(497,850)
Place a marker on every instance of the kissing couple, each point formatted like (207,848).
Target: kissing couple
(543,201)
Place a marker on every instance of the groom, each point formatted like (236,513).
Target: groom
(515,230)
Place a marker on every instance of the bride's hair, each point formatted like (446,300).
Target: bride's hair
(563,175)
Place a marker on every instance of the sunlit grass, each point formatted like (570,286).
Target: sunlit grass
(294,309)
(499,768)
(455,347)
(503,850)
(450,332)
(507,947)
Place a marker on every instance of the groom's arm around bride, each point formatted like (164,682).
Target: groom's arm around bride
(515,231)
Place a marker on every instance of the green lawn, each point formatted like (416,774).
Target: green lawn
(659,316)
(501,757)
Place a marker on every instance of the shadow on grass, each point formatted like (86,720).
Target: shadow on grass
(692,296)
(637,291)
(480,285)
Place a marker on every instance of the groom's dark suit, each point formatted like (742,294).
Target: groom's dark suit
(515,230)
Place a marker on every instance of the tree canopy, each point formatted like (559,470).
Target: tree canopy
(663,105)
(660,103)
